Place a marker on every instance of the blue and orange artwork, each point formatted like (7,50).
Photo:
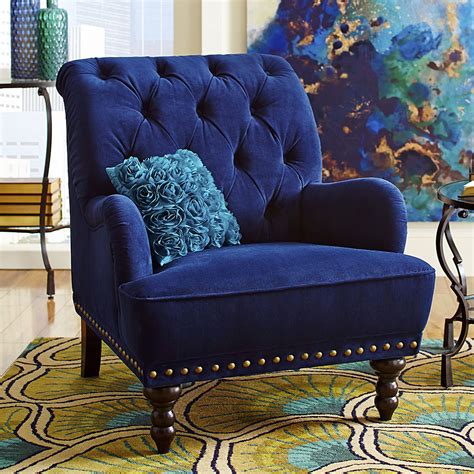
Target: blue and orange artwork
(390,82)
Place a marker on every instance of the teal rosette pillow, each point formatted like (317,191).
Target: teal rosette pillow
(182,208)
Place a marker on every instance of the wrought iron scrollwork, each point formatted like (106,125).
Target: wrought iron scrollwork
(458,286)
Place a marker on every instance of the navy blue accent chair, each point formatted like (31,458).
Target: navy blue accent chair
(320,277)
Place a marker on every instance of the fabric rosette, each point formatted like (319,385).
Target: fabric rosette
(129,173)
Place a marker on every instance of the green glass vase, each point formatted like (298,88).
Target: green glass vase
(52,40)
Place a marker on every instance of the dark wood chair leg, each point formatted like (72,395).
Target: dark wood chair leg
(91,346)
(386,399)
(162,417)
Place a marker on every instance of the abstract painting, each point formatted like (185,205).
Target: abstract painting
(390,82)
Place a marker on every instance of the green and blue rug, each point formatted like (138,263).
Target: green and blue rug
(319,420)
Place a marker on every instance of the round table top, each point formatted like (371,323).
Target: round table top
(451,194)
(7,82)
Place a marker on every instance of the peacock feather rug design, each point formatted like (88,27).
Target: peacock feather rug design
(319,420)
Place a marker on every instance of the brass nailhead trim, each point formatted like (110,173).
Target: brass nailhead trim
(413,344)
(114,343)
(231,366)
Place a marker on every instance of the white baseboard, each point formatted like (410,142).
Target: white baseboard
(421,243)
(28,257)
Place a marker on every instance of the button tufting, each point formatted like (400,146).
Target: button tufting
(161,70)
(199,110)
(268,210)
(103,72)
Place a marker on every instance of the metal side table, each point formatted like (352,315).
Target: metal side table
(42,228)
(449,195)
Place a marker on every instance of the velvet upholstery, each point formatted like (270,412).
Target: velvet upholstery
(321,267)
(254,301)
(246,116)
(366,213)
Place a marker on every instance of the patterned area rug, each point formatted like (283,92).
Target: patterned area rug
(313,420)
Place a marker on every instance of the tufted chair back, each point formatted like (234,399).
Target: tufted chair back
(247,117)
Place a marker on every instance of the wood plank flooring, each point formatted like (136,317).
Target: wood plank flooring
(26,313)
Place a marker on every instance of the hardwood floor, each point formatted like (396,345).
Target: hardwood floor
(26,313)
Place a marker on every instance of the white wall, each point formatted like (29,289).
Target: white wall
(224,26)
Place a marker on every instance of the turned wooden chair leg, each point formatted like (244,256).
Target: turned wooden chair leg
(386,399)
(162,417)
(91,346)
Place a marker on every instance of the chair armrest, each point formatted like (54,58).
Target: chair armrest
(365,213)
(125,235)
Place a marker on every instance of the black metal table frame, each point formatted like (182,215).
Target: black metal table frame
(458,286)
(42,229)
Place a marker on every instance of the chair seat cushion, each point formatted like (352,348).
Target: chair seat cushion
(259,299)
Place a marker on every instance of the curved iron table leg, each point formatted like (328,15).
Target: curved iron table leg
(448,340)
(50,290)
(456,259)
(448,327)
(459,287)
